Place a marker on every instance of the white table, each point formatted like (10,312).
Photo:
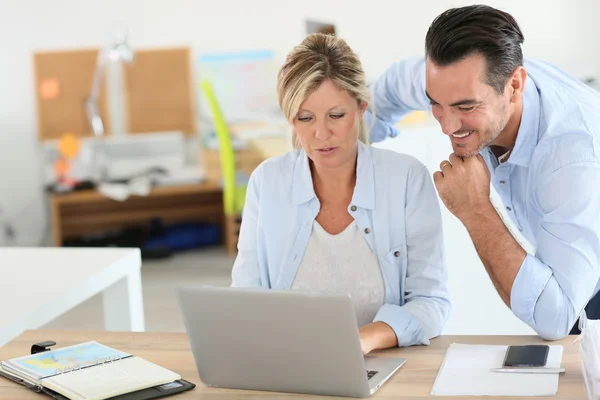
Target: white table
(39,284)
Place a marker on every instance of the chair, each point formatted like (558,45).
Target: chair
(234,182)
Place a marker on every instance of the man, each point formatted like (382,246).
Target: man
(530,129)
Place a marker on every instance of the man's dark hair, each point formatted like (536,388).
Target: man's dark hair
(479,29)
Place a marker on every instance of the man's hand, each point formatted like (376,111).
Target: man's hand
(464,185)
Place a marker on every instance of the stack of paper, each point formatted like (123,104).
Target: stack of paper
(466,371)
(589,352)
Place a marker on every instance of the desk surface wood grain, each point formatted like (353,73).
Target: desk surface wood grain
(172,351)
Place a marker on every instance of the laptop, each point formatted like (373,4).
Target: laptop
(280,341)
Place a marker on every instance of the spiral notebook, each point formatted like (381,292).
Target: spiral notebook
(89,371)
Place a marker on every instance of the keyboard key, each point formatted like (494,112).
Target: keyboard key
(371,374)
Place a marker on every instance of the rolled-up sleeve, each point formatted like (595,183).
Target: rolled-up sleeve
(427,302)
(552,287)
(397,92)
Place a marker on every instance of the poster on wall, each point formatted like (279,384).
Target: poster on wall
(244,84)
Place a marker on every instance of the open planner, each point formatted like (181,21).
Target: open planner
(92,371)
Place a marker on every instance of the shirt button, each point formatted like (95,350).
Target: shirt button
(367,230)
(503,182)
(353,208)
(396,254)
(509,209)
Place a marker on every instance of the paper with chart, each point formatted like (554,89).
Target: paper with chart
(48,363)
(466,372)
(244,84)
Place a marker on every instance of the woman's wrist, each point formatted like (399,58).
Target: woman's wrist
(377,335)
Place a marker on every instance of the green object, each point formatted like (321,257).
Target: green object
(234,194)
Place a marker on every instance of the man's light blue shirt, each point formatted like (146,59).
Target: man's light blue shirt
(550,185)
(395,207)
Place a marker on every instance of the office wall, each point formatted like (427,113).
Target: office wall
(381,32)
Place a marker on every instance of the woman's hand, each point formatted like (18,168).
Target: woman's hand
(375,336)
(365,344)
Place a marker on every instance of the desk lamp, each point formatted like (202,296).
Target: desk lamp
(116,50)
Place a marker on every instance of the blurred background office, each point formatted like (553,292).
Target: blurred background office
(135,123)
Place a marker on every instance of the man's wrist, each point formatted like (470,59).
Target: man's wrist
(478,215)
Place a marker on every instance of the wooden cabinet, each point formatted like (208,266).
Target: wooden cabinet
(89,212)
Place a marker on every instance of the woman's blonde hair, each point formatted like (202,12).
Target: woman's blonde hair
(318,58)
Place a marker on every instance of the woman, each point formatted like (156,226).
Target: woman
(337,215)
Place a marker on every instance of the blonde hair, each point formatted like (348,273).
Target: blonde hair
(319,58)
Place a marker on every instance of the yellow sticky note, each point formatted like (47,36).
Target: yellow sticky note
(68,145)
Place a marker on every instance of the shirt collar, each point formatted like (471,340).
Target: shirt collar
(527,136)
(364,191)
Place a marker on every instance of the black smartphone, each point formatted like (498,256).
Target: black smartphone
(526,356)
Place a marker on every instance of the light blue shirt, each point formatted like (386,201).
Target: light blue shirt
(394,205)
(550,185)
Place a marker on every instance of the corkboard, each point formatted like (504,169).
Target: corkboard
(160,91)
(63,81)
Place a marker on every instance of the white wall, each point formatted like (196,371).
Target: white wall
(381,32)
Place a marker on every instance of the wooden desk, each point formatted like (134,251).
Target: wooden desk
(172,351)
(88,212)
(40,284)
(85,212)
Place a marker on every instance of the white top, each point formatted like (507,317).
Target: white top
(342,263)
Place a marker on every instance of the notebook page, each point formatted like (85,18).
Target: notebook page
(111,379)
(45,364)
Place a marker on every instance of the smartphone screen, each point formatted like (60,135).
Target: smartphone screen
(526,356)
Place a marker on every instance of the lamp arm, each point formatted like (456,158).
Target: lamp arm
(91,103)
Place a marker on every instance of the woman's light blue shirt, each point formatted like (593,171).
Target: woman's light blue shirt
(396,208)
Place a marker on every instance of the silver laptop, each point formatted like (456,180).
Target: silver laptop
(282,341)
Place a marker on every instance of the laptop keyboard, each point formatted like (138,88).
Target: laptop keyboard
(371,374)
